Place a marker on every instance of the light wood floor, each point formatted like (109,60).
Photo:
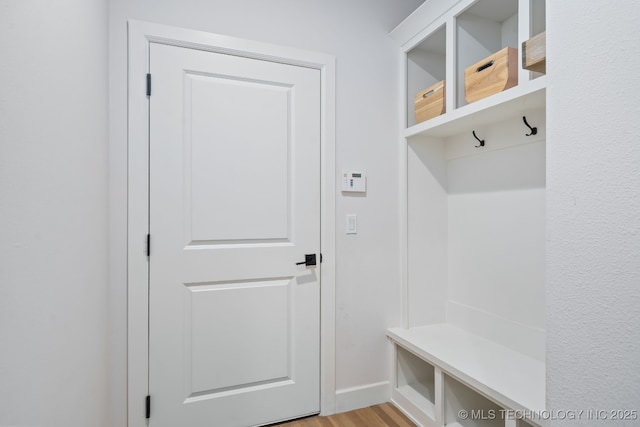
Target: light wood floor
(385,415)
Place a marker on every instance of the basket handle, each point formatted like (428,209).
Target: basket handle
(428,94)
(485,66)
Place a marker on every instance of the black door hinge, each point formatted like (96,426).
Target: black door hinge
(148,84)
(320,258)
(148,244)
(147,413)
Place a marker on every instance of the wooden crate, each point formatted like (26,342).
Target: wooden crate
(430,102)
(491,75)
(534,54)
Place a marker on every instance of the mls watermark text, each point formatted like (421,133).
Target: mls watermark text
(556,414)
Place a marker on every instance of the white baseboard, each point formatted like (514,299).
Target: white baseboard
(348,399)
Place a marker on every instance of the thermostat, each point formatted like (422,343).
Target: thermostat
(354,182)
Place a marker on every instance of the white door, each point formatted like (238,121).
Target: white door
(234,335)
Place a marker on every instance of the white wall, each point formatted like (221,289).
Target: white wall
(53,213)
(367,265)
(593,207)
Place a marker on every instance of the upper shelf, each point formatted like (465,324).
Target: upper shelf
(493,109)
(443,40)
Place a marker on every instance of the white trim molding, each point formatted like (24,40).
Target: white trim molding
(141,34)
(349,399)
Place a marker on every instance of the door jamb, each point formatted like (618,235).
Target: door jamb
(141,34)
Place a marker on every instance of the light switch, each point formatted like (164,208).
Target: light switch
(352,224)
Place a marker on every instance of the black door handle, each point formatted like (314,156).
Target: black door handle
(309,260)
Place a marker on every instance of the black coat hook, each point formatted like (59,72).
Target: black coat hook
(481,141)
(534,130)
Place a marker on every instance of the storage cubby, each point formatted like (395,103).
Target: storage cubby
(537,25)
(463,34)
(426,65)
(483,29)
(415,380)
(537,17)
(464,407)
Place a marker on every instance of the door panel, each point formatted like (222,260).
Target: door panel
(234,204)
(248,132)
(260,315)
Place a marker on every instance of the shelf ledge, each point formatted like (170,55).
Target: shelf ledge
(509,378)
(496,108)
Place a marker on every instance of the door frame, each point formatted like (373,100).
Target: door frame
(140,35)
